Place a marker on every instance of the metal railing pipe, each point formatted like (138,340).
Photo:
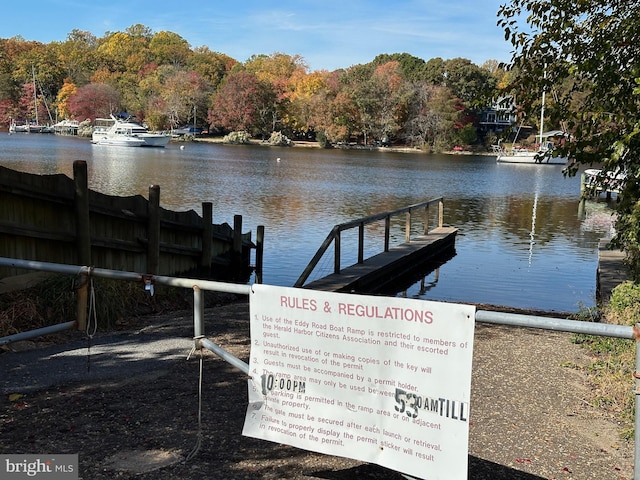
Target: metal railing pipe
(317,257)
(18,337)
(42,266)
(223,354)
(240,289)
(558,324)
(237,288)
(501,318)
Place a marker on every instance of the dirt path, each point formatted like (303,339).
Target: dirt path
(529,415)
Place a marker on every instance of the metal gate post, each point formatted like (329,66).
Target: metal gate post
(198,313)
(200,341)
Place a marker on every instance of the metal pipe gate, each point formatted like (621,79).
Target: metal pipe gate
(510,319)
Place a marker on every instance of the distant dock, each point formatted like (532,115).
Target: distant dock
(594,182)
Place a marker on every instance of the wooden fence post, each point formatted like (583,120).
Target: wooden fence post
(83,238)
(236,254)
(153,230)
(207,235)
(81,201)
(259,252)
(237,233)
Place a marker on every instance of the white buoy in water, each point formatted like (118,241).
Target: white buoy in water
(278,159)
(181,147)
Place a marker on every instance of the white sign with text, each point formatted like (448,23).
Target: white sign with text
(377,379)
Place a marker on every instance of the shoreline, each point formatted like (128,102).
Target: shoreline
(308,144)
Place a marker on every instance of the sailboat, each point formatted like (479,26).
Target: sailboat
(33,126)
(543,154)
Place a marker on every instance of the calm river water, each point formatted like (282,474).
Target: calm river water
(521,241)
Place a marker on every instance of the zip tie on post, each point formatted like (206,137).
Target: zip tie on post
(148,283)
(196,346)
(92,321)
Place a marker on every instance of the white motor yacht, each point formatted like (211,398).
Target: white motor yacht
(127,133)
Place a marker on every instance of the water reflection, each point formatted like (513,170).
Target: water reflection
(521,242)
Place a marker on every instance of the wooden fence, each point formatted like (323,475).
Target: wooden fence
(53,218)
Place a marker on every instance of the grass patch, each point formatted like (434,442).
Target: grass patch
(613,359)
(53,301)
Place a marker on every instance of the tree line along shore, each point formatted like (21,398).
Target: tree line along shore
(395,100)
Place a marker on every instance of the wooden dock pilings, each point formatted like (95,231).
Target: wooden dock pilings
(371,274)
(594,182)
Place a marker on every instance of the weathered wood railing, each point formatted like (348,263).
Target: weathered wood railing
(334,236)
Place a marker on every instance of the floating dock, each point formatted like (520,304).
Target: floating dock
(376,272)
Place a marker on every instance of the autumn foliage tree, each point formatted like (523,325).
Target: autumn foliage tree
(431,117)
(77,56)
(299,116)
(244,103)
(183,93)
(68,90)
(332,111)
(93,100)
(168,48)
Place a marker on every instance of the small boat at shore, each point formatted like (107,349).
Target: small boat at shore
(27,127)
(124,132)
(543,154)
(15,127)
(66,127)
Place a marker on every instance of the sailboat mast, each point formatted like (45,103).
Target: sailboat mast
(544,91)
(35,93)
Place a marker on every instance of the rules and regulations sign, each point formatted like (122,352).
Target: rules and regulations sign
(377,379)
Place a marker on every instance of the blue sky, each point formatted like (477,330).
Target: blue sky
(328,34)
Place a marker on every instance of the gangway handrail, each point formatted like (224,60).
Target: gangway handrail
(335,234)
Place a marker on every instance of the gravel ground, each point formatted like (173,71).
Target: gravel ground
(138,418)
